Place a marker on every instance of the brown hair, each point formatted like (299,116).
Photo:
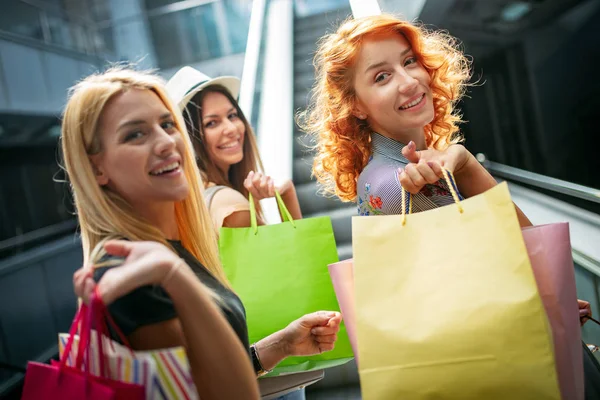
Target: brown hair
(237,172)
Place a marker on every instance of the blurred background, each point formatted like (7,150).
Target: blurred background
(533,117)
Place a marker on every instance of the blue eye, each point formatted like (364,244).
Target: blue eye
(381,77)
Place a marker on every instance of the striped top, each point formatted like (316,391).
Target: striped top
(378,189)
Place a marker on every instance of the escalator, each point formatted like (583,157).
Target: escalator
(307,30)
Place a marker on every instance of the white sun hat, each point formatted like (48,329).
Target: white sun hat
(188,81)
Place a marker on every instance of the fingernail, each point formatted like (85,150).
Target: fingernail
(582,312)
(430,163)
(333,314)
(411,144)
(313,331)
(400,170)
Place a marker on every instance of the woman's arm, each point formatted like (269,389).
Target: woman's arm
(310,334)
(471,177)
(219,363)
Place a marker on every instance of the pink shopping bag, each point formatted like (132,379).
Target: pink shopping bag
(342,277)
(549,249)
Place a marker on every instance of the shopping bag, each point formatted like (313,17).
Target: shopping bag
(342,277)
(280,273)
(447,306)
(164,373)
(549,249)
(59,381)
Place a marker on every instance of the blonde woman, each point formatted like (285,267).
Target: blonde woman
(131,166)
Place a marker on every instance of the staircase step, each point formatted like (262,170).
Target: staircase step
(312,202)
(303,83)
(345,251)
(304,52)
(341,220)
(321,21)
(312,36)
(337,377)
(307,31)
(302,170)
(348,392)
(302,143)
(301,100)
(303,64)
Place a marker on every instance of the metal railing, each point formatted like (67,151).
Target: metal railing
(540,181)
(62,228)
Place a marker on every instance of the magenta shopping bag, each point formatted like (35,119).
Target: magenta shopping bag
(342,277)
(549,248)
(59,381)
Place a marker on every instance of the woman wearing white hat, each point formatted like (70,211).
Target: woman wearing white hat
(228,159)
(226,149)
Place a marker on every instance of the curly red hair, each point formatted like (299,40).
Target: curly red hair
(342,140)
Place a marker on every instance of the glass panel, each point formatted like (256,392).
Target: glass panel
(238,21)
(82,40)
(21,19)
(191,35)
(60,31)
(184,37)
(100,10)
(105,40)
(305,8)
(152,4)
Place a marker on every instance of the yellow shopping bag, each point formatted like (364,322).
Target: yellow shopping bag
(447,306)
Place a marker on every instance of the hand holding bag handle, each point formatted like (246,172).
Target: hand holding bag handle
(285,214)
(407,197)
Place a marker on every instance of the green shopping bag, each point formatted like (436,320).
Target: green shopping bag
(280,273)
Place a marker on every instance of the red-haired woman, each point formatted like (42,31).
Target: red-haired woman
(384,116)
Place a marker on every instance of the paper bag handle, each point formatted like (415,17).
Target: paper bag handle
(285,214)
(407,197)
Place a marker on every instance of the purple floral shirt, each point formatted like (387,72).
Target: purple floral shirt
(379,191)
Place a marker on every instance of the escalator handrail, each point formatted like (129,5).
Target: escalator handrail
(62,228)
(586,262)
(540,181)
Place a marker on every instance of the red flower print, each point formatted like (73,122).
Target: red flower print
(375,202)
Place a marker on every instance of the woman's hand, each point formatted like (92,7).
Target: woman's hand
(146,263)
(310,334)
(426,165)
(259,185)
(262,186)
(585,310)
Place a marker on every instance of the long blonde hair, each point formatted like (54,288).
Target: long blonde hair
(103,214)
(342,140)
